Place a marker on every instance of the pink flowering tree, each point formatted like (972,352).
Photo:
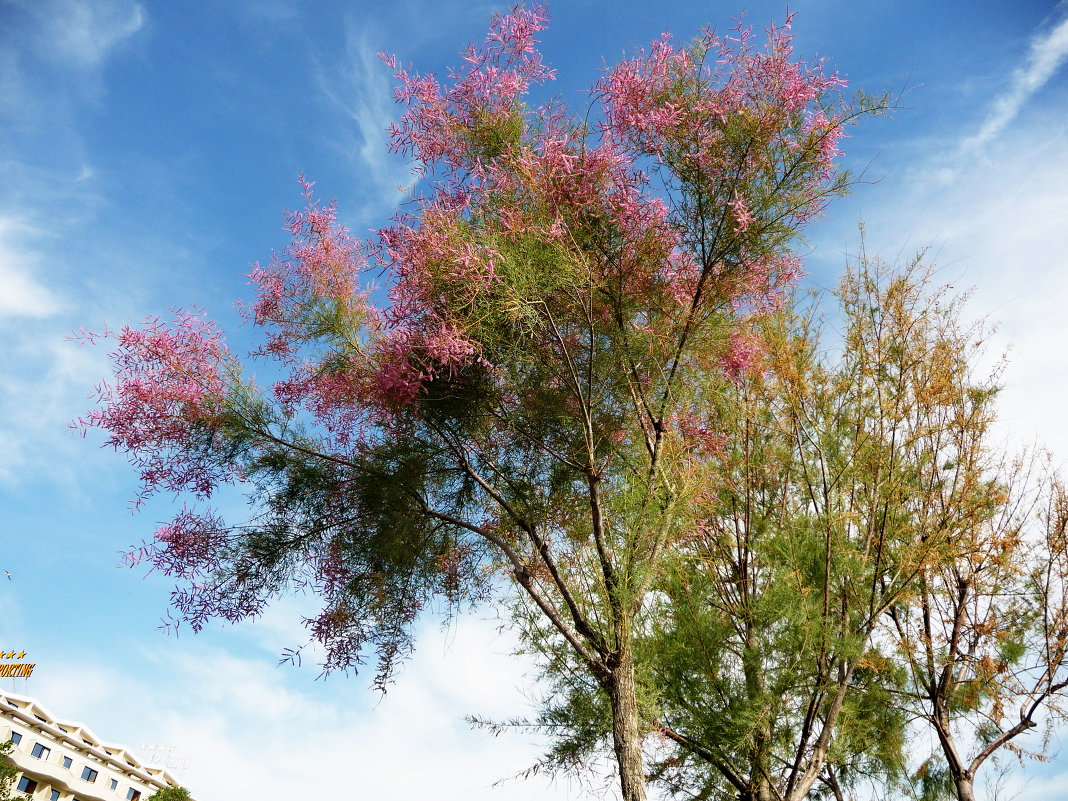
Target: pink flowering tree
(526,414)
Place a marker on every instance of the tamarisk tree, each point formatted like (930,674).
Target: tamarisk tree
(526,411)
(825,504)
(871,563)
(984,637)
(770,681)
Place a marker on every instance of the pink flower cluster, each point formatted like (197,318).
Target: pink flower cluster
(350,363)
(759,285)
(702,435)
(743,350)
(170,385)
(188,547)
(484,93)
(689,108)
(678,104)
(315,279)
(409,357)
(659,100)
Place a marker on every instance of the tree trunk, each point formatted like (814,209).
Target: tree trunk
(963,775)
(760,788)
(965,786)
(625,731)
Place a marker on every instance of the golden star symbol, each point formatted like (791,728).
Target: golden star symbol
(20,655)
(9,655)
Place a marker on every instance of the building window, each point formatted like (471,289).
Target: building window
(40,751)
(27,785)
(16,738)
(54,796)
(88,774)
(133,795)
(114,784)
(67,762)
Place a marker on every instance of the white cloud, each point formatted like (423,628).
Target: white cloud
(44,384)
(1048,52)
(51,57)
(362,95)
(21,295)
(251,730)
(360,91)
(998,226)
(1046,788)
(84,33)
(993,219)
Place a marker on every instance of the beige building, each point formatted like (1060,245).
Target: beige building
(59,760)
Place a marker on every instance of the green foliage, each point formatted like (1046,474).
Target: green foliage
(7,772)
(847,470)
(932,781)
(170,794)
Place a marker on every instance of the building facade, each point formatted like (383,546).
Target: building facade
(59,760)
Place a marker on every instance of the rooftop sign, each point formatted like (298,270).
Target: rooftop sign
(15,670)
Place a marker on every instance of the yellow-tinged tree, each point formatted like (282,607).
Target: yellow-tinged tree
(983,637)
(811,616)
(871,557)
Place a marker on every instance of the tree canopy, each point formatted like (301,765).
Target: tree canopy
(535,409)
(756,549)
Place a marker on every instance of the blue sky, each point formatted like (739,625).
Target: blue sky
(147,151)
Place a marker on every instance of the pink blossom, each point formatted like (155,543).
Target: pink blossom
(484,91)
(743,218)
(317,276)
(743,349)
(186,547)
(169,388)
(700,434)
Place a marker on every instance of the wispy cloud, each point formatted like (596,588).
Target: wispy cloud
(52,54)
(362,96)
(21,295)
(361,91)
(44,382)
(1048,52)
(43,379)
(84,33)
(994,220)
(52,59)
